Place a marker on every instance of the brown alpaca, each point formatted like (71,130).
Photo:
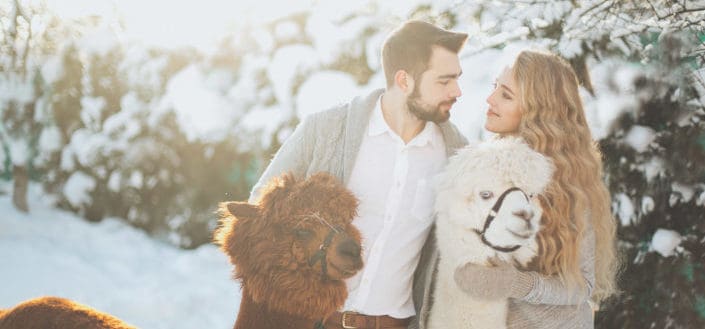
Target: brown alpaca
(57,313)
(292,251)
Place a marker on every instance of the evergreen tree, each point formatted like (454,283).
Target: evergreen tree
(663,180)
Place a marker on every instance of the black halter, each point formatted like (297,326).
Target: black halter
(490,218)
(320,255)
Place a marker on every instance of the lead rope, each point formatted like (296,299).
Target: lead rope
(319,325)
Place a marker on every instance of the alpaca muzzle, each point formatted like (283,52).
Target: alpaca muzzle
(491,216)
(322,252)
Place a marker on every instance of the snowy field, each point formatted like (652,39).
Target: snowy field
(113,268)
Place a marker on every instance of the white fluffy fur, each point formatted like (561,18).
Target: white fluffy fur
(493,166)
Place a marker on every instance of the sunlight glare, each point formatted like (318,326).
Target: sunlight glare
(173,24)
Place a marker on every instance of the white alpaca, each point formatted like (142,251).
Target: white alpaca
(468,189)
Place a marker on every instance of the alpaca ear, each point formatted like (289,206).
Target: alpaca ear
(242,210)
(232,213)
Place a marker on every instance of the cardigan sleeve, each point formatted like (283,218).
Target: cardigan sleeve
(552,291)
(293,157)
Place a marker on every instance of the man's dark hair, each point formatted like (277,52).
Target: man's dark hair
(409,48)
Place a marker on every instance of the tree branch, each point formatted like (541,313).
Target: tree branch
(685,10)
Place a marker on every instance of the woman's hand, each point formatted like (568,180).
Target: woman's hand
(500,282)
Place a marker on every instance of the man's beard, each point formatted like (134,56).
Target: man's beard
(427,112)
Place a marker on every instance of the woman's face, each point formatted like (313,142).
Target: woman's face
(504,114)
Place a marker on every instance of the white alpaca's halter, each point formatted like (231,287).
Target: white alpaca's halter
(491,216)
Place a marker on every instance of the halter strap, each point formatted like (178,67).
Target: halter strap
(320,255)
(491,216)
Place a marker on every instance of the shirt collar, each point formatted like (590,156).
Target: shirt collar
(426,136)
(378,126)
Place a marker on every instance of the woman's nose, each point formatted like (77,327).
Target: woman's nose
(490,98)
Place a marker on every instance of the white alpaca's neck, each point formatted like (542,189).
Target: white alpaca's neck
(457,309)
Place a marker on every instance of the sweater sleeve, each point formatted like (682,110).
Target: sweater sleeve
(293,157)
(552,291)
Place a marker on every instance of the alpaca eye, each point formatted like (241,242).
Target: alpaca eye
(486,194)
(303,234)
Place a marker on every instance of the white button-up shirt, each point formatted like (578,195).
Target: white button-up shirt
(392,181)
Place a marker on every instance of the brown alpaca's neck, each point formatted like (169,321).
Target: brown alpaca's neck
(307,297)
(254,315)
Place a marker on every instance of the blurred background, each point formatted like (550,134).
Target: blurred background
(141,116)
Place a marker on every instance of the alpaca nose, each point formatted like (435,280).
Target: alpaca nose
(349,248)
(525,214)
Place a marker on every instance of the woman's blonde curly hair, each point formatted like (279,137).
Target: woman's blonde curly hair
(553,123)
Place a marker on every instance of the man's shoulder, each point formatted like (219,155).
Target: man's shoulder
(452,136)
(336,113)
(325,124)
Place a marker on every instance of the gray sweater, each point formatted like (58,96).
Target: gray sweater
(329,141)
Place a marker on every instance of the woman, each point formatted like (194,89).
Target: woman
(537,98)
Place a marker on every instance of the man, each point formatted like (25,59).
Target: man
(386,147)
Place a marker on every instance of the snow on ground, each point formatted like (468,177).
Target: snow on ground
(112,267)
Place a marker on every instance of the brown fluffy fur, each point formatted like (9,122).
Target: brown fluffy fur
(57,313)
(271,256)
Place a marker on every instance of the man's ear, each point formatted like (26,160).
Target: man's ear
(404,81)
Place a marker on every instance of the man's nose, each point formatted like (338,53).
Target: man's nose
(455,91)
